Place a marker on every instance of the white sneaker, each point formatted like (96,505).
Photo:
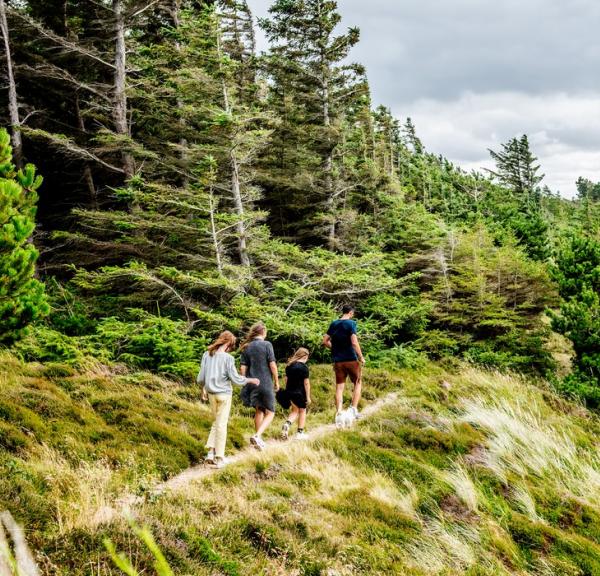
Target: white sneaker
(257,442)
(210,456)
(301,436)
(339,419)
(221,462)
(357,415)
(285,431)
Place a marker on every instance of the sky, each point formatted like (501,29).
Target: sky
(474,73)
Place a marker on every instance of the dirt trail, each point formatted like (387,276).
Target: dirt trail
(125,505)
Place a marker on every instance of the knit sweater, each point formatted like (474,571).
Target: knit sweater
(218,373)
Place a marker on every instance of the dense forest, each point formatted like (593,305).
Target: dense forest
(191,184)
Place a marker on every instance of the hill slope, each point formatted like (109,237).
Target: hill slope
(503,477)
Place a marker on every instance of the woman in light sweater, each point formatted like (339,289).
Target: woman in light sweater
(217,374)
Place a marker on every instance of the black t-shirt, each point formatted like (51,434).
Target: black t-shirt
(296,374)
(341,332)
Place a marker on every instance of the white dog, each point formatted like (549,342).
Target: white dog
(347,418)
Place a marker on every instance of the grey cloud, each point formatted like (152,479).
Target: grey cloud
(474,73)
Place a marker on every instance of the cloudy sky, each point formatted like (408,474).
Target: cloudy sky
(474,73)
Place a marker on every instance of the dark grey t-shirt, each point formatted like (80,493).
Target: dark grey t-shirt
(256,356)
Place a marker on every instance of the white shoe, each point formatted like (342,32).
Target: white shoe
(210,457)
(221,462)
(285,431)
(257,442)
(301,436)
(357,415)
(339,419)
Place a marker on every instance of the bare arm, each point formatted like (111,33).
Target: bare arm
(356,346)
(243,369)
(275,374)
(327,341)
(307,390)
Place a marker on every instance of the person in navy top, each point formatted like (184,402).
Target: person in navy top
(348,359)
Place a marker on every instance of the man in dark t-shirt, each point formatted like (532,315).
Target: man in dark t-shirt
(348,359)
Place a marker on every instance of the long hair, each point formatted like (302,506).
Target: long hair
(225,337)
(298,355)
(258,329)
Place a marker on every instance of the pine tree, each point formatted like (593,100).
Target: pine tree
(312,89)
(518,171)
(22,298)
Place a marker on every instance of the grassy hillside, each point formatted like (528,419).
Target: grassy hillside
(72,442)
(501,477)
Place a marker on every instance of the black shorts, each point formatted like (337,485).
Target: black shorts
(288,397)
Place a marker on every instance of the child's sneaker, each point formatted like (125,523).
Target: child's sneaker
(210,456)
(301,436)
(221,463)
(285,431)
(257,442)
(357,415)
(339,419)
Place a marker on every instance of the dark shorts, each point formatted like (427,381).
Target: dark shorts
(344,370)
(259,397)
(288,397)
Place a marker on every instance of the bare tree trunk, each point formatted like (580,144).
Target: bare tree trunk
(328,159)
(328,170)
(239,208)
(13,104)
(120,86)
(183,143)
(236,190)
(213,229)
(87,170)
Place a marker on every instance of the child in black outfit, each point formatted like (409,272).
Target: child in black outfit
(296,393)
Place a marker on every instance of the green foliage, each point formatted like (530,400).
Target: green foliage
(150,342)
(22,298)
(577,272)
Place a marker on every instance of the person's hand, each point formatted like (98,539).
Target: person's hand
(363,361)
(254,381)
(276,386)
(308,401)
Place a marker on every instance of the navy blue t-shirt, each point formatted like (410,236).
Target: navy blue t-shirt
(341,332)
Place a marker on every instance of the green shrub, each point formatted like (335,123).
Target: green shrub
(398,357)
(22,298)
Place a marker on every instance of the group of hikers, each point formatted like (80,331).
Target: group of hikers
(259,378)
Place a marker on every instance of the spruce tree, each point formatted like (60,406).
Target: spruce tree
(518,171)
(312,88)
(22,298)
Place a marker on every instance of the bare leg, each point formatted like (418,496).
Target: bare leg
(266,420)
(259,416)
(356,393)
(293,414)
(339,396)
(301,417)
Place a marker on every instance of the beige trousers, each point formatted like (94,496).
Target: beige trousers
(220,405)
